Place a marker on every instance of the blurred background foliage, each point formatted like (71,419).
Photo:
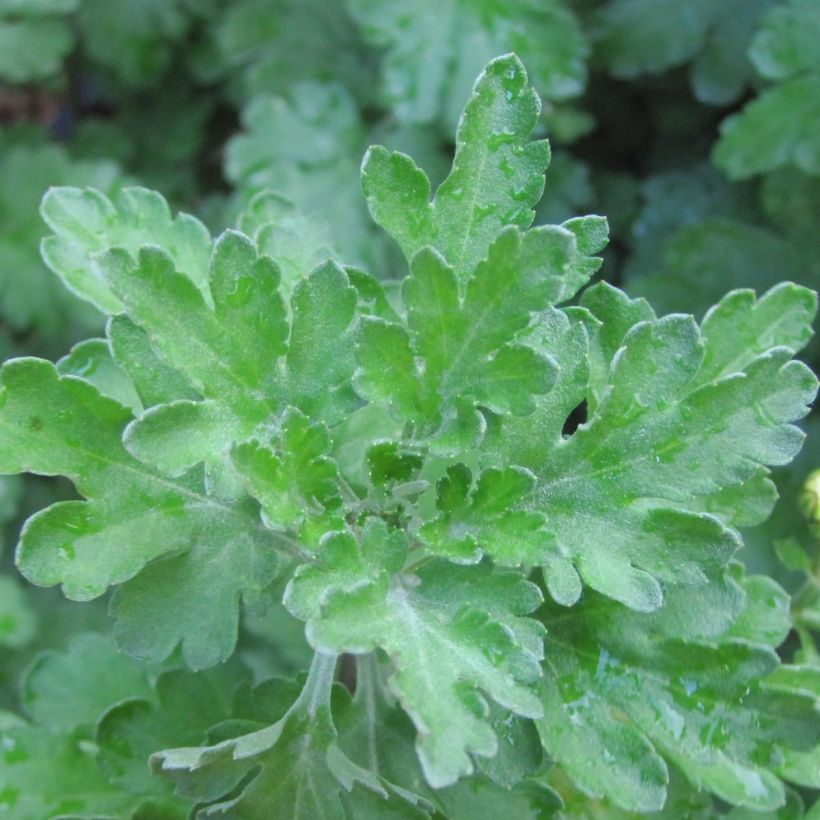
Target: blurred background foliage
(693,126)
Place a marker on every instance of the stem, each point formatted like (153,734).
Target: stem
(347,490)
(316,693)
(287,543)
(414,565)
(805,596)
(366,694)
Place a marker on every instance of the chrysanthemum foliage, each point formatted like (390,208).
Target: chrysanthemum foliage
(393,462)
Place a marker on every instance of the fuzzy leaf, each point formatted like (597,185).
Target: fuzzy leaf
(240,355)
(287,147)
(450,631)
(294,768)
(468,345)
(487,520)
(497,175)
(131,516)
(294,478)
(676,421)
(85,222)
(624,694)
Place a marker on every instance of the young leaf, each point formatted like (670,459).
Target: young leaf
(468,345)
(487,520)
(295,478)
(286,148)
(451,632)
(240,355)
(497,175)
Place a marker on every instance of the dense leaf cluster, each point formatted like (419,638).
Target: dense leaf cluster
(409,492)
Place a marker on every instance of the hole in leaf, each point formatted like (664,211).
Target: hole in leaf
(577,417)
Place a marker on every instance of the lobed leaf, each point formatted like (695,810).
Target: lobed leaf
(131,516)
(450,631)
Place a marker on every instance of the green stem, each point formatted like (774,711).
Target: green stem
(366,694)
(805,598)
(287,543)
(413,565)
(319,683)
(347,490)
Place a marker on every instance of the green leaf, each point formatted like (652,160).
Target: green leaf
(286,147)
(675,200)
(740,326)
(31,298)
(179,711)
(92,360)
(47,773)
(488,519)
(260,40)
(626,694)
(134,39)
(433,51)
(800,767)
(778,128)
(229,353)
(85,222)
(50,766)
(33,48)
(450,631)
(719,254)
(293,478)
(497,175)
(294,768)
(774,130)
(646,36)
(785,44)
(239,354)
(468,345)
(153,380)
(18,621)
(66,690)
(131,516)
(567,335)
(279,229)
(320,360)
(662,436)
(378,735)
